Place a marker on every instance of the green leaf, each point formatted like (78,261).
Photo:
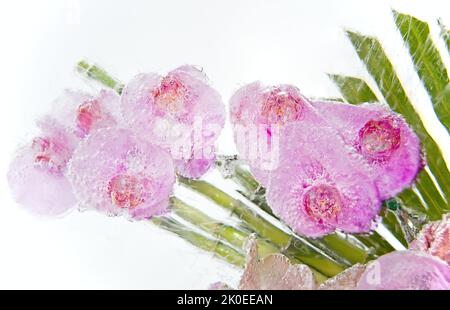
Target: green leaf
(430,193)
(416,204)
(392,222)
(354,90)
(445,34)
(427,62)
(379,66)
(219,249)
(375,242)
(335,99)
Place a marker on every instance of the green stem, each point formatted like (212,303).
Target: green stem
(246,179)
(290,245)
(395,221)
(375,243)
(216,247)
(340,246)
(252,190)
(261,225)
(94,72)
(411,201)
(231,235)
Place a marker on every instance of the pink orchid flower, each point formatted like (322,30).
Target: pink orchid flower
(83,113)
(401,270)
(406,270)
(322,185)
(258,114)
(37,174)
(382,137)
(180,112)
(117,173)
(346,280)
(274,272)
(318,184)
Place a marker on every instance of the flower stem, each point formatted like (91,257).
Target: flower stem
(375,244)
(290,245)
(216,247)
(231,235)
(94,72)
(391,218)
(265,228)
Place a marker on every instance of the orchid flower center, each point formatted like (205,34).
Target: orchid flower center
(49,155)
(126,191)
(323,203)
(88,113)
(379,138)
(170,95)
(281,107)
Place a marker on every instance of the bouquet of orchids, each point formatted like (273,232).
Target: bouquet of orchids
(349,193)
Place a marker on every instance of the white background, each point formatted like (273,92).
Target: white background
(235,41)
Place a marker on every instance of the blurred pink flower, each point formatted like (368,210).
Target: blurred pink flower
(83,113)
(406,270)
(219,286)
(36,175)
(434,238)
(321,185)
(273,272)
(180,112)
(346,280)
(382,137)
(316,183)
(394,271)
(258,115)
(256,103)
(115,172)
